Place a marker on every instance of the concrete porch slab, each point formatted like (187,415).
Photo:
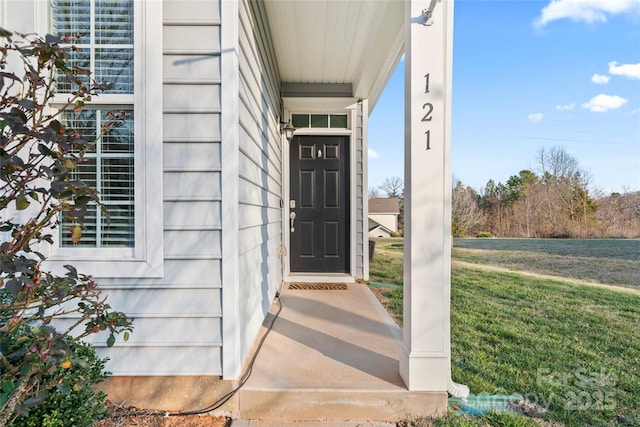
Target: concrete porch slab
(332,355)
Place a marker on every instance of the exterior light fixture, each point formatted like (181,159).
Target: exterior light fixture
(427,14)
(288,130)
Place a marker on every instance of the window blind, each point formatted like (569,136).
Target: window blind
(102,33)
(109,168)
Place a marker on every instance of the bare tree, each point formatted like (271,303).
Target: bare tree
(392,186)
(374,193)
(465,212)
(619,215)
(569,207)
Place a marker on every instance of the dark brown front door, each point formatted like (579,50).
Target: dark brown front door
(319,183)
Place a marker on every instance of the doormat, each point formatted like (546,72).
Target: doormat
(318,286)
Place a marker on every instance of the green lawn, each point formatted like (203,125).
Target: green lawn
(569,347)
(607,261)
(387,261)
(628,249)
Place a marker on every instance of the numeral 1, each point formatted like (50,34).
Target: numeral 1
(426,86)
(428,133)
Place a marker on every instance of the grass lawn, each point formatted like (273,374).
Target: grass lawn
(571,348)
(607,261)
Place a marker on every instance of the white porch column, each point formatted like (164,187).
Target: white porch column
(425,362)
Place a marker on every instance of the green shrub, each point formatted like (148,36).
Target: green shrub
(484,234)
(457,230)
(67,392)
(39,162)
(74,401)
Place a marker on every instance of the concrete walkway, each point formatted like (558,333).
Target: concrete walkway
(332,356)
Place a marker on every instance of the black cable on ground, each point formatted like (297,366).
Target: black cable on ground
(224,399)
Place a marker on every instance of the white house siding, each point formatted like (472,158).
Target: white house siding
(388,220)
(191,296)
(178,317)
(260,173)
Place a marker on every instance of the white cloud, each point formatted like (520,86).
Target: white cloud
(588,11)
(536,117)
(372,154)
(603,103)
(600,80)
(627,70)
(566,107)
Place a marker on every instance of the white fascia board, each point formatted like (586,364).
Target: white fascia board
(317,104)
(395,55)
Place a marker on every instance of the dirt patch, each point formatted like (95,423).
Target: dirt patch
(134,417)
(527,408)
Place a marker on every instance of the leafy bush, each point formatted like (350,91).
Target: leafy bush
(457,230)
(484,234)
(74,400)
(38,156)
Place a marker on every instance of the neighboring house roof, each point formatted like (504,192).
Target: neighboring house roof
(388,206)
(375,226)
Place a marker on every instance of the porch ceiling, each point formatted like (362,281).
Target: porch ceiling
(358,42)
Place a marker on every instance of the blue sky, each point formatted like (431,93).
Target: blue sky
(529,75)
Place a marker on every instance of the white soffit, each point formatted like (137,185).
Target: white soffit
(338,41)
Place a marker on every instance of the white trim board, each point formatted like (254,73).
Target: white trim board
(293,105)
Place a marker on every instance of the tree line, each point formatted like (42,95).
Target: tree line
(554,201)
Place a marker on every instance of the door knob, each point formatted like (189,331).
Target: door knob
(292,215)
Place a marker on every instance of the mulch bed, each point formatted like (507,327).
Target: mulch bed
(135,417)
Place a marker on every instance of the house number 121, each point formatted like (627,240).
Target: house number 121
(428,110)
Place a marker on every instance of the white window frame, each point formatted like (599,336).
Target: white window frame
(328,128)
(145,259)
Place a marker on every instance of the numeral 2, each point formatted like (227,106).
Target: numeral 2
(429,107)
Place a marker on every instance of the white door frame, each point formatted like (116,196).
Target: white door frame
(321,106)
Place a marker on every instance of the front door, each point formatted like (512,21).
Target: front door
(319,205)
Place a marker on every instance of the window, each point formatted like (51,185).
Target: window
(102,33)
(334,121)
(109,169)
(117,40)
